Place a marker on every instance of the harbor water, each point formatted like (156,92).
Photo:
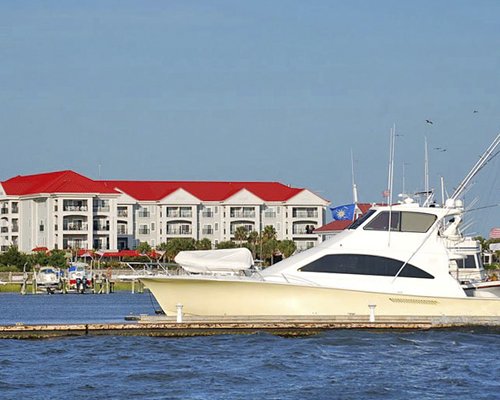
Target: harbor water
(339,364)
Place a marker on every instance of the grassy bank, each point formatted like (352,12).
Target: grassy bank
(16,287)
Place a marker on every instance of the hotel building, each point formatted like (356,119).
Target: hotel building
(66,210)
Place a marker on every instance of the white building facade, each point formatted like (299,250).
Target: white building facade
(65,210)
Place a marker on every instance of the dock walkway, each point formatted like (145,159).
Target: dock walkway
(162,326)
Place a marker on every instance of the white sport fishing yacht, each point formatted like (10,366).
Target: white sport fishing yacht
(395,258)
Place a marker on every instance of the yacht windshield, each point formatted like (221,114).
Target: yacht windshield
(361,219)
(402,221)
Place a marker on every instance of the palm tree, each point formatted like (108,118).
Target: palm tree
(240,234)
(203,244)
(144,248)
(268,243)
(287,247)
(268,233)
(252,240)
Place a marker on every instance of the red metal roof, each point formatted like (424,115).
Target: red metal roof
(203,190)
(72,182)
(53,182)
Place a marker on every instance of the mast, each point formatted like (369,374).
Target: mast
(392,145)
(357,211)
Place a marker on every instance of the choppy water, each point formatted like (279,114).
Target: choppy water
(343,364)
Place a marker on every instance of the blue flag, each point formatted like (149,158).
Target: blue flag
(342,213)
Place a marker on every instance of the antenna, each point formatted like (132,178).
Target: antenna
(404,179)
(390,175)
(442,191)
(426,167)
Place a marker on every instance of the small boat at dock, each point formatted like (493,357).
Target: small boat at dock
(48,279)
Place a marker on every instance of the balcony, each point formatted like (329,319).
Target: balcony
(123,213)
(270,214)
(101,227)
(101,209)
(121,230)
(207,231)
(179,230)
(15,209)
(144,214)
(4,210)
(144,231)
(305,214)
(75,226)
(75,208)
(303,229)
(242,214)
(75,244)
(207,214)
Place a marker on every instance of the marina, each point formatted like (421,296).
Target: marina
(100,282)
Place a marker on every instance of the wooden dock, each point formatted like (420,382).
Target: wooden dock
(161,326)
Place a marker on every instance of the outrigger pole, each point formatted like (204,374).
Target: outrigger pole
(487,156)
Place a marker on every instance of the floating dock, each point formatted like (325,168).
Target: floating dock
(162,326)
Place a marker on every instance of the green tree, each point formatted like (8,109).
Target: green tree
(240,234)
(252,240)
(144,248)
(38,258)
(268,249)
(226,245)
(287,247)
(13,257)
(175,245)
(268,233)
(203,244)
(57,258)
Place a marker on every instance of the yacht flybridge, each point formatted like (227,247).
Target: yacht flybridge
(397,258)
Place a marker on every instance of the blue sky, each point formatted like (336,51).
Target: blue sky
(260,90)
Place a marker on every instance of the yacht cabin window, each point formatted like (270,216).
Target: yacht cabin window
(401,221)
(364,264)
(468,262)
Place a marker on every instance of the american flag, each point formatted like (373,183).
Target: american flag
(495,233)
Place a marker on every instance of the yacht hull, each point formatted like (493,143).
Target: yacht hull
(224,297)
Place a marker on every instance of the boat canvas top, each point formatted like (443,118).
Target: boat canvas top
(215,261)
